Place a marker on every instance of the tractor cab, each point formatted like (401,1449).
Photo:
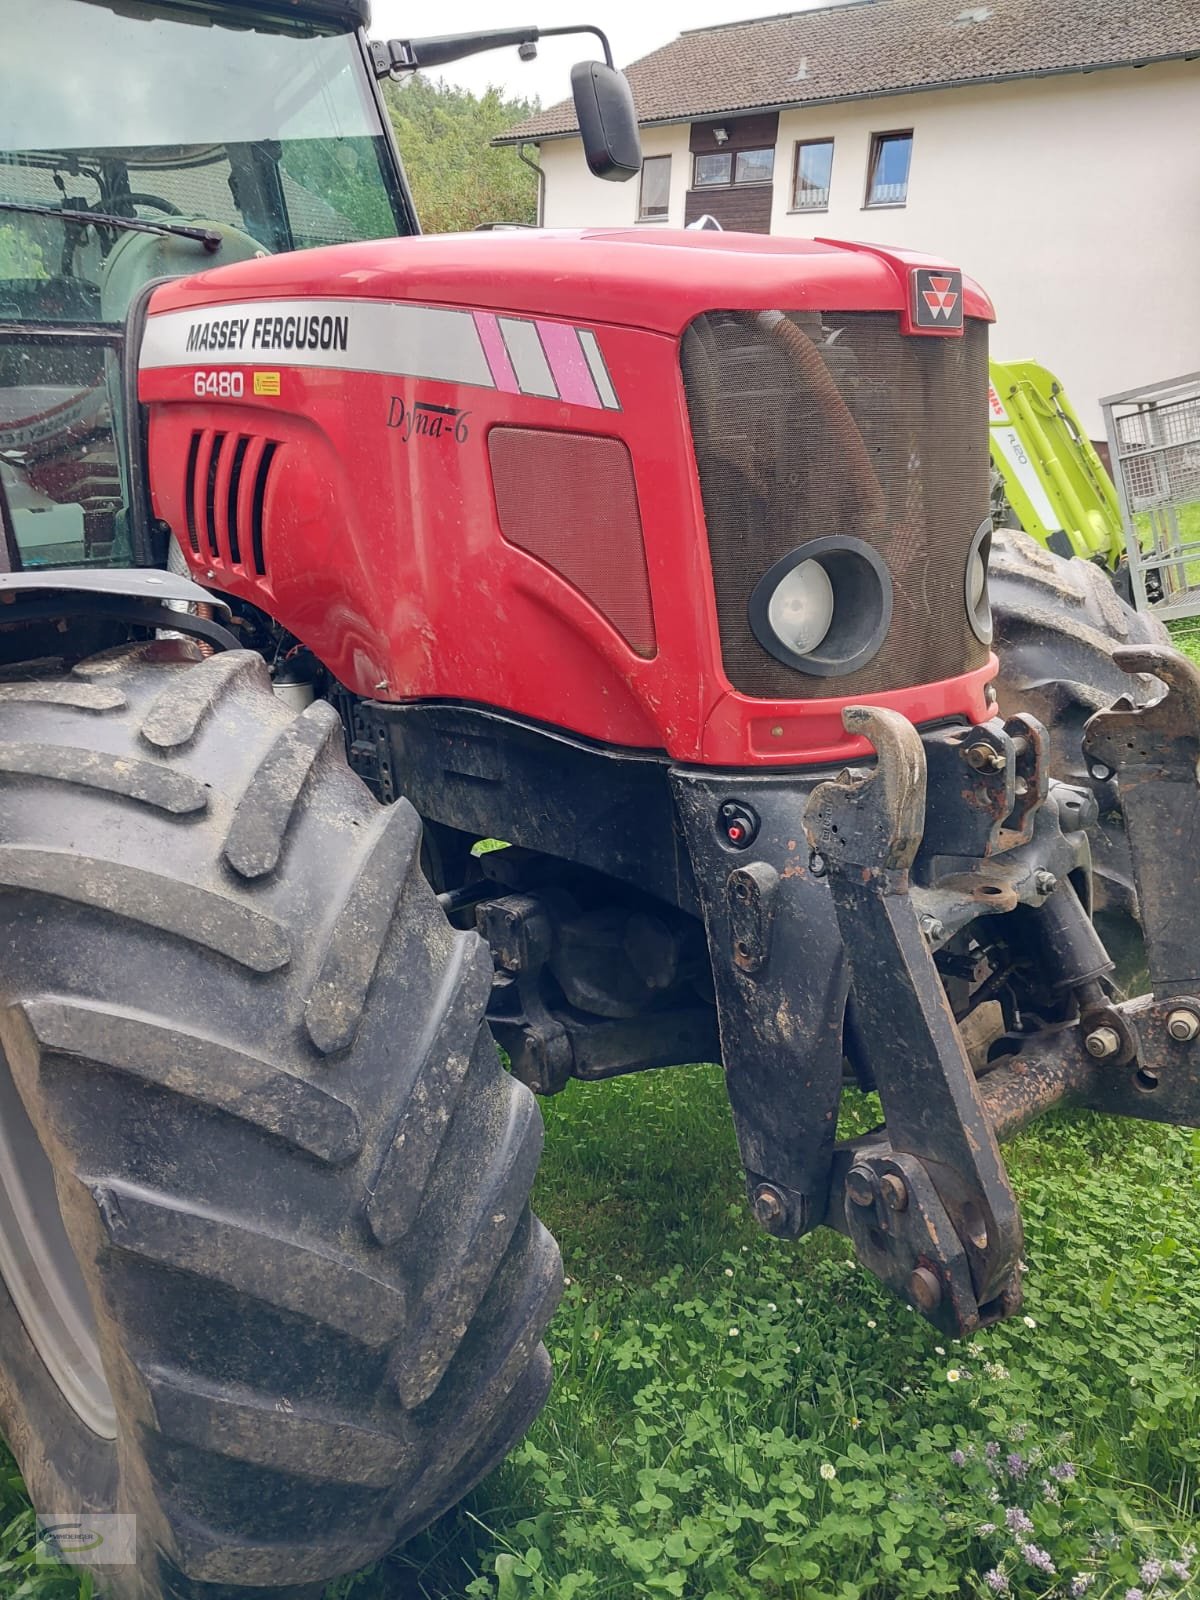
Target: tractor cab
(147,141)
(153,140)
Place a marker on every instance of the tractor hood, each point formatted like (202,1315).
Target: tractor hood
(615,276)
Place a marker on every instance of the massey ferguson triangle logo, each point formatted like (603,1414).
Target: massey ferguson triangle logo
(940,297)
(937,298)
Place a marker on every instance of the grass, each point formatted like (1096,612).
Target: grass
(737,1419)
(734,1417)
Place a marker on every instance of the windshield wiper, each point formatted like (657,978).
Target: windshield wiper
(105,219)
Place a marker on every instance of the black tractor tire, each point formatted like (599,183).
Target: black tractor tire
(292,1175)
(1057,622)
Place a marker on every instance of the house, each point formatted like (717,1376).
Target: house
(1051,148)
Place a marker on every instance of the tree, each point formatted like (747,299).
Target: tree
(458,180)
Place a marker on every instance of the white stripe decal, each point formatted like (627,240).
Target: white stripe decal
(524,346)
(349,335)
(599,369)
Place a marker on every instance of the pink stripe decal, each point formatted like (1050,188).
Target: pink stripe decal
(497,356)
(568,364)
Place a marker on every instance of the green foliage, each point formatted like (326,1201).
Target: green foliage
(20,256)
(738,1419)
(458,180)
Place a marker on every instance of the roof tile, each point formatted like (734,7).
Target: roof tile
(880,47)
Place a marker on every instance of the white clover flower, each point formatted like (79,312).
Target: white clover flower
(828,1471)
(566,1283)
(771,1306)
(938,1351)
(953,1375)
(729,1272)
(733,1333)
(618,1277)
(871,1323)
(1029,1322)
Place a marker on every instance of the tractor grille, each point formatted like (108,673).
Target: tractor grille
(853,429)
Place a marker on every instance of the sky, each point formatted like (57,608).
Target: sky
(634,28)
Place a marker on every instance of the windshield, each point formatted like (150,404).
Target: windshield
(262,128)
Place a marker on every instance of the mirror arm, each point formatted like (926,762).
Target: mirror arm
(584,27)
(392,58)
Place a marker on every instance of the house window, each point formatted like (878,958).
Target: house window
(655,198)
(754,166)
(811,175)
(725,167)
(887,174)
(713,169)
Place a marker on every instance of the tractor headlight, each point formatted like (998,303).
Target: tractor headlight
(825,608)
(975,588)
(801,608)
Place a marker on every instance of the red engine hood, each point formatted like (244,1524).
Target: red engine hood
(627,277)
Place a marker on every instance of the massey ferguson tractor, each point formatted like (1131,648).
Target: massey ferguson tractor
(330,551)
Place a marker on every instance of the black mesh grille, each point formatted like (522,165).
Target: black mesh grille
(808,426)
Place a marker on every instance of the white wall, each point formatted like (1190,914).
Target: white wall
(574,199)
(1075,201)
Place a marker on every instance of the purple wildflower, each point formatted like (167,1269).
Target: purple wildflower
(1181,1570)
(1134,1594)
(1016,1520)
(1080,1584)
(1041,1559)
(992,1451)
(985,1528)
(1064,1472)
(996,1581)
(1151,1570)
(958,1458)
(1016,1465)
(1048,1491)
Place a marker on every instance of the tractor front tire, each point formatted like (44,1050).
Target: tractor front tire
(1057,623)
(271,1283)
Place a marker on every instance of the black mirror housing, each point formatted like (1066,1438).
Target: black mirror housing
(607,121)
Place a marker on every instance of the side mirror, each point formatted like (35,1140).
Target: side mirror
(607,121)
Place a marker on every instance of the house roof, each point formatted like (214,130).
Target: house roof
(882,47)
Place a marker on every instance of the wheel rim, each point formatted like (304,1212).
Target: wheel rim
(40,1270)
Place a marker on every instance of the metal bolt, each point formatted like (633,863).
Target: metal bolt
(990,695)
(932,927)
(1044,882)
(1183,1025)
(925,1289)
(1100,772)
(860,1186)
(983,758)
(769,1207)
(893,1190)
(817,864)
(1102,1043)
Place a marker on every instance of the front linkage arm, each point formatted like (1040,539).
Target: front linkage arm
(927,1202)
(926,1199)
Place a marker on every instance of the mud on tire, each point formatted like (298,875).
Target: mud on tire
(293,1173)
(1057,623)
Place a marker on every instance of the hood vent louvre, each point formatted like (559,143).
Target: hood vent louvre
(225,491)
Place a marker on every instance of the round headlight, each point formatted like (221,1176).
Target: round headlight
(975,585)
(825,609)
(801,608)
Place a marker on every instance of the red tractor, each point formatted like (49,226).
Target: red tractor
(662,557)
